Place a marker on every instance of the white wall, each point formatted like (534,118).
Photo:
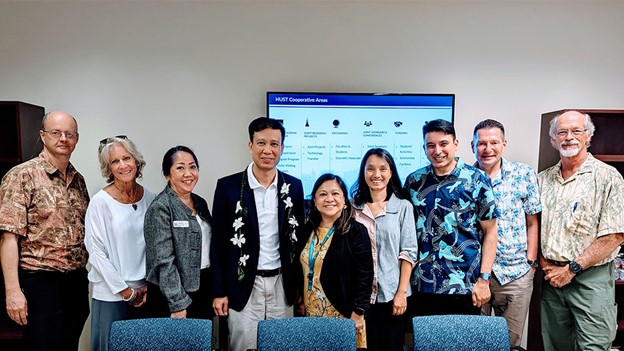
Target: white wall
(195,73)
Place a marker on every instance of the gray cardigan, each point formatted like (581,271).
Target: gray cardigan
(173,246)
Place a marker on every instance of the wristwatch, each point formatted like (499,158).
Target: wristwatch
(359,311)
(485,276)
(533,263)
(575,267)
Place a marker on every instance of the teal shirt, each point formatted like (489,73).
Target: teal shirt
(447,211)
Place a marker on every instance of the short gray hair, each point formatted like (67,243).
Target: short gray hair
(104,157)
(589,125)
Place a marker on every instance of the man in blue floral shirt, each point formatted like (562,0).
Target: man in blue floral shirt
(518,203)
(456,228)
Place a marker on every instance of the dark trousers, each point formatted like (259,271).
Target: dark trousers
(429,304)
(58,306)
(383,330)
(156,305)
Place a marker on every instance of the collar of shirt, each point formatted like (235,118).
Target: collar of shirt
(586,167)
(50,168)
(254,183)
(455,172)
(392,206)
(502,174)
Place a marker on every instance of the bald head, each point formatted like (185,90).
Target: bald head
(55,115)
(59,135)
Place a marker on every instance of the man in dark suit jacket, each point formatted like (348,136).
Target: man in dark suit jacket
(258,214)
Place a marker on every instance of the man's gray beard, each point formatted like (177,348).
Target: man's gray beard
(569,152)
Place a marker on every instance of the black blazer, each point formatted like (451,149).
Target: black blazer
(224,255)
(347,271)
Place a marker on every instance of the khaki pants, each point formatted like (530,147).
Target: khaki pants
(267,301)
(511,301)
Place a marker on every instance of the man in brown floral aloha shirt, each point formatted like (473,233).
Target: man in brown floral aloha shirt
(42,209)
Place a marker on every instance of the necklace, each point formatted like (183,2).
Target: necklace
(134,205)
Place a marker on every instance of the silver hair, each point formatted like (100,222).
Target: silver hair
(104,157)
(589,126)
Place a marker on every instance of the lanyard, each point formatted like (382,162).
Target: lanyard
(312,257)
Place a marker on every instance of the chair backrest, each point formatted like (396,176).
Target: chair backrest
(306,333)
(460,333)
(161,334)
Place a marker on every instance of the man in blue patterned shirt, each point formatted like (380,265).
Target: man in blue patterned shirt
(518,203)
(456,228)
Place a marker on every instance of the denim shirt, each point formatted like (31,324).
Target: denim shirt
(393,238)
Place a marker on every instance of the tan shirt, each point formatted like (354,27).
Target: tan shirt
(47,212)
(580,209)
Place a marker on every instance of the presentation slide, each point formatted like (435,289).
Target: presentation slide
(329,133)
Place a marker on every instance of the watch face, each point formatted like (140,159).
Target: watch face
(575,267)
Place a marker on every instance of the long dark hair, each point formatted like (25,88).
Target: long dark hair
(343,223)
(361,192)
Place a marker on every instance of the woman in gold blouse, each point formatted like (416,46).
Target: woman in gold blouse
(336,260)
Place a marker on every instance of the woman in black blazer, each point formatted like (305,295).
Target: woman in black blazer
(335,261)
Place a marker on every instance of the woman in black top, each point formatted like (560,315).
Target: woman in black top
(336,260)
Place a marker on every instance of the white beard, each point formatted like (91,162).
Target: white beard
(569,152)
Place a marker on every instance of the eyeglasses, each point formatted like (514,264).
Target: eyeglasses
(109,140)
(55,134)
(564,132)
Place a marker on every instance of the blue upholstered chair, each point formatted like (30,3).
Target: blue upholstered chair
(306,333)
(460,333)
(161,334)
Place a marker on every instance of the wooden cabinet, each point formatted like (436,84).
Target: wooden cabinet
(19,141)
(607,146)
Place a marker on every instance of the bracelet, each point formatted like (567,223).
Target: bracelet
(132,296)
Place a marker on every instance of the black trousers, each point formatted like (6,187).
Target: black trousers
(58,306)
(383,330)
(429,304)
(156,305)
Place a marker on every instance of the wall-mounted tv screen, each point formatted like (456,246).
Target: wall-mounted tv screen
(330,132)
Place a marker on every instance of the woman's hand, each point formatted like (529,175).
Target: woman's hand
(179,314)
(300,306)
(399,306)
(141,297)
(359,322)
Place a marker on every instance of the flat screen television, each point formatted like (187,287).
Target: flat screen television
(330,132)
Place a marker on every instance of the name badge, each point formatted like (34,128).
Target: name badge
(180,224)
